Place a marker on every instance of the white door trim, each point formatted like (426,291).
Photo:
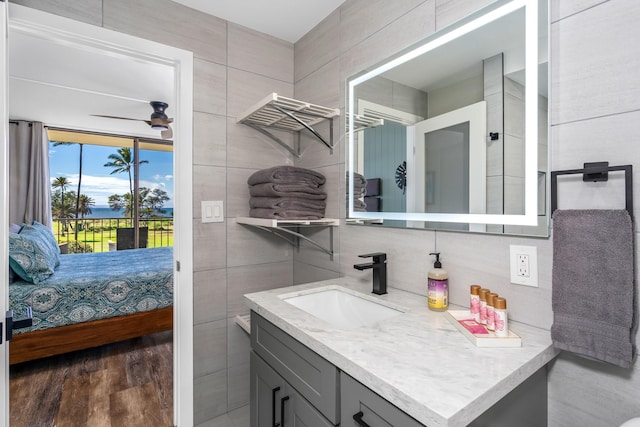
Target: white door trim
(4,217)
(97,38)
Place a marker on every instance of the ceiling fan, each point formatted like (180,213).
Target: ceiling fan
(158,119)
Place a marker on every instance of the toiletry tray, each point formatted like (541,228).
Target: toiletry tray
(481,340)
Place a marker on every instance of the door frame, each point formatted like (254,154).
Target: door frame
(115,43)
(4,215)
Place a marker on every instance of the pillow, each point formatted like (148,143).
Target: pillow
(14,228)
(28,258)
(44,235)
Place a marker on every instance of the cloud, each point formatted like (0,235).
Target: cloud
(100,187)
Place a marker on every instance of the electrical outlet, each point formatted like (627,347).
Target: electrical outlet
(523,265)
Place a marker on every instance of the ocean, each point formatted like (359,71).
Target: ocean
(106,212)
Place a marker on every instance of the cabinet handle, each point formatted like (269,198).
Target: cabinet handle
(358,418)
(273,406)
(282,401)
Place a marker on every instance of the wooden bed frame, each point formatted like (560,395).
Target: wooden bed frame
(63,339)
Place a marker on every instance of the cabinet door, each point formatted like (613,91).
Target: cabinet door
(361,407)
(267,388)
(300,413)
(275,403)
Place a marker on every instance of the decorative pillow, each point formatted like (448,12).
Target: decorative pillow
(45,236)
(28,258)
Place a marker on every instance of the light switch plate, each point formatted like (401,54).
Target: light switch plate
(523,264)
(212,211)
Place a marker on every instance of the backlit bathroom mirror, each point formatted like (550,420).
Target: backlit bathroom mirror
(451,134)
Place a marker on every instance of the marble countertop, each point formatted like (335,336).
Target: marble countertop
(418,360)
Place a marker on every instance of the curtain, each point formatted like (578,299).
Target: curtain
(29,182)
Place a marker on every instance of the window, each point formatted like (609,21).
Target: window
(110,193)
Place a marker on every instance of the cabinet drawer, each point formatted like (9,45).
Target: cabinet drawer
(376,411)
(312,376)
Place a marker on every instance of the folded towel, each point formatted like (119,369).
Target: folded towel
(286,190)
(285,213)
(287,175)
(593,289)
(287,203)
(359,193)
(359,205)
(358,180)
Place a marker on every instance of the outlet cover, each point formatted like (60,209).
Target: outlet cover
(523,264)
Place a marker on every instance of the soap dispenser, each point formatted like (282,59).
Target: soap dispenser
(438,286)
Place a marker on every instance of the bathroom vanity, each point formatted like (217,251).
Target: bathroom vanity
(411,368)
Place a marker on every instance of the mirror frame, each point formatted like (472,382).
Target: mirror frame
(483,17)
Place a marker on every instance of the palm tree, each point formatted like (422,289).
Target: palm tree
(62,183)
(123,161)
(57,143)
(86,203)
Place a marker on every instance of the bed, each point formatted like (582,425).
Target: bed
(94,299)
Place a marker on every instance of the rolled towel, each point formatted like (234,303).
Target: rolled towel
(286,213)
(286,203)
(301,191)
(287,175)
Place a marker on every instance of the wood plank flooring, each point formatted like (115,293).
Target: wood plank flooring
(123,384)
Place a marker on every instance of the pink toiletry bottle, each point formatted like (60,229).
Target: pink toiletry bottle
(483,306)
(501,320)
(474,302)
(491,297)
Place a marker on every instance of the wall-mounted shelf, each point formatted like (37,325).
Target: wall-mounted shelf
(363,122)
(281,113)
(286,228)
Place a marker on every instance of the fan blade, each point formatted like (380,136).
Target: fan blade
(117,117)
(167,134)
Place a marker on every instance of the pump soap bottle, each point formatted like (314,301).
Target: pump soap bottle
(438,286)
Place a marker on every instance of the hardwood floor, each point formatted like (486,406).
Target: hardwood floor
(123,384)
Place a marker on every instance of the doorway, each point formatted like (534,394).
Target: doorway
(91,47)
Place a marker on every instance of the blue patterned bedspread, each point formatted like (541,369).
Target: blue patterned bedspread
(96,286)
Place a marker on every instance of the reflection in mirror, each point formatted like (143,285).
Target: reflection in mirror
(455,138)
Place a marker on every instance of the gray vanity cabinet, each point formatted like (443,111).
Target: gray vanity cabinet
(306,374)
(275,403)
(360,406)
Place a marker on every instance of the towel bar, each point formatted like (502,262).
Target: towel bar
(597,171)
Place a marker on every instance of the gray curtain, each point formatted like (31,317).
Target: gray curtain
(29,182)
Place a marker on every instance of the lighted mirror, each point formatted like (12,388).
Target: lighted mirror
(451,134)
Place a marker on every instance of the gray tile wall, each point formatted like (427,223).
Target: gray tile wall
(234,68)
(594,107)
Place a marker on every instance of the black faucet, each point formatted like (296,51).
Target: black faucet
(379,266)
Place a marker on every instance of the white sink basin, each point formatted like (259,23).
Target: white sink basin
(343,309)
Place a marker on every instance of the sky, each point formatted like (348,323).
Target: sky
(97,181)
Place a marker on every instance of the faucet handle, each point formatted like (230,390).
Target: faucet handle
(378,257)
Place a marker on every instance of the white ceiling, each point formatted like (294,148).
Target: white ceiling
(64,85)
(285,19)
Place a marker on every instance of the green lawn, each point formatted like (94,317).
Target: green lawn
(97,233)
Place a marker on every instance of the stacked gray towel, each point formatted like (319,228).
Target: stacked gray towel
(287,192)
(359,191)
(593,284)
